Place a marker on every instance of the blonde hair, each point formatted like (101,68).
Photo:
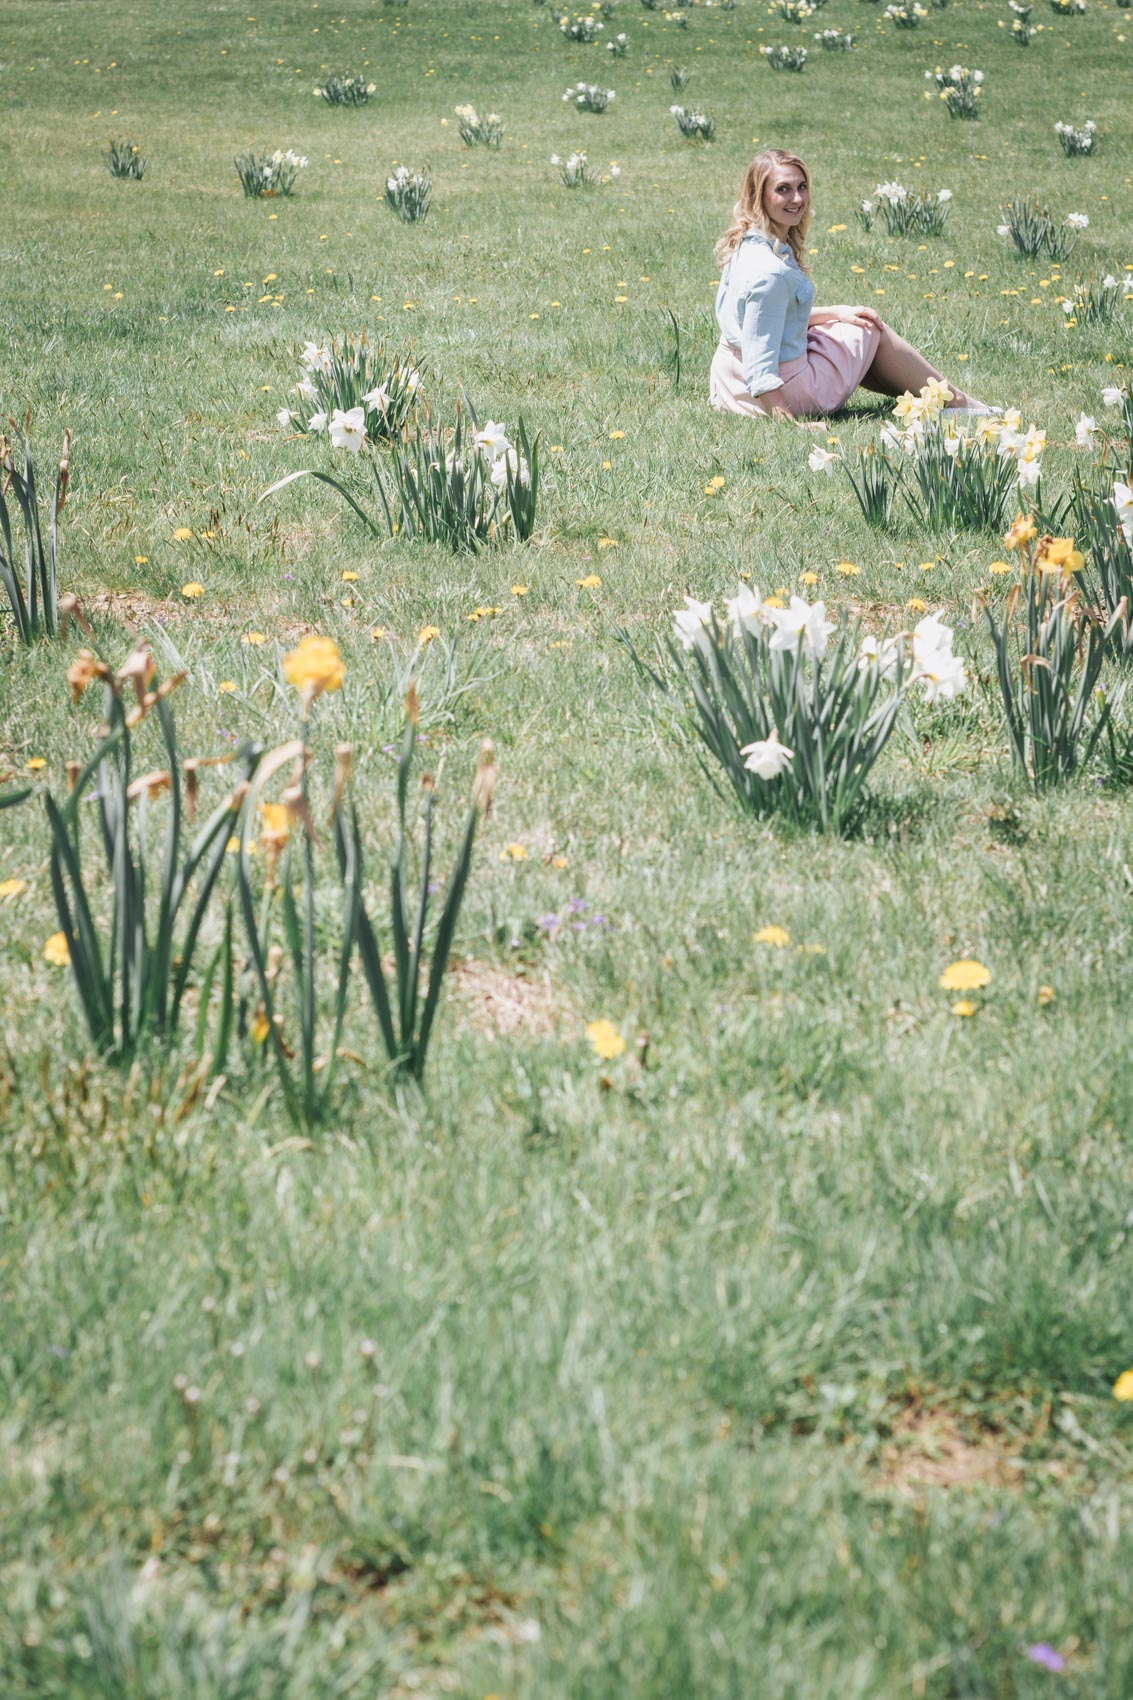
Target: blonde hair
(748,212)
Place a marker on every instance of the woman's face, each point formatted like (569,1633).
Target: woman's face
(786,197)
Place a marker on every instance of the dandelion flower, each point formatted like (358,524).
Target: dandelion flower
(314,667)
(590,582)
(966,975)
(963,1007)
(183,534)
(56,950)
(605,1038)
(1122,1387)
(513,853)
(427,634)
(192,590)
(12,887)
(777,937)
(254,638)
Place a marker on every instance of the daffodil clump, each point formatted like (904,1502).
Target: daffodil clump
(835,40)
(794,11)
(345,89)
(576,172)
(581,28)
(588,97)
(408,194)
(906,212)
(796,720)
(906,14)
(1033,230)
(1077,138)
(784,58)
(961,90)
(1049,648)
(1120,396)
(268,175)
(618,45)
(480,130)
(125,159)
(1099,303)
(693,123)
(1068,8)
(28,572)
(953,471)
(352,392)
(1022,30)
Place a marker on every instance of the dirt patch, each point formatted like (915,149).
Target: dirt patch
(934,1449)
(502,1004)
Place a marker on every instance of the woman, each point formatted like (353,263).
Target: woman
(778,353)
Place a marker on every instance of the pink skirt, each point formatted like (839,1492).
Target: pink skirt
(837,358)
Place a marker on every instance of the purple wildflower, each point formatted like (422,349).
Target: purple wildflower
(548,921)
(575,905)
(1043,1654)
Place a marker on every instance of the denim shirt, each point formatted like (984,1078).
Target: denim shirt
(763,307)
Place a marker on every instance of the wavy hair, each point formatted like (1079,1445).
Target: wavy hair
(748,213)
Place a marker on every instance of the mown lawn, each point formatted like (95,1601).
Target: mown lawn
(773,1356)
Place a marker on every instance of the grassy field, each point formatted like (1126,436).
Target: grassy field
(774,1356)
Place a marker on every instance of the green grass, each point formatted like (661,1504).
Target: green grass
(657,1347)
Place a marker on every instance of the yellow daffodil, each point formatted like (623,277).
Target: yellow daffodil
(1021,531)
(1058,555)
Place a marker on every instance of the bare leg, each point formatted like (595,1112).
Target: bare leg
(897,367)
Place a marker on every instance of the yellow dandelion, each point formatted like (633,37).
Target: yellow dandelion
(1000,567)
(519,590)
(313,667)
(590,582)
(192,590)
(963,1006)
(605,1038)
(57,951)
(35,763)
(847,569)
(808,578)
(349,577)
(916,606)
(513,853)
(967,975)
(1123,1387)
(607,543)
(615,435)
(227,688)
(1046,995)
(427,634)
(183,534)
(12,887)
(777,937)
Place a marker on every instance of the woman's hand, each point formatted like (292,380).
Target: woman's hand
(865,318)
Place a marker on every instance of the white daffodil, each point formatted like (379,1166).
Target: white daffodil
(378,398)
(931,637)
(801,626)
(1030,469)
(492,439)
(1003,230)
(509,461)
(1078,221)
(317,422)
(1113,395)
(884,656)
(1086,432)
(767,758)
(314,358)
(746,611)
(284,417)
(306,389)
(692,624)
(348,429)
(944,195)
(1122,500)
(942,675)
(821,460)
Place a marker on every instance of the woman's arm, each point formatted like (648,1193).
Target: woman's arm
(762,314)
(862,316)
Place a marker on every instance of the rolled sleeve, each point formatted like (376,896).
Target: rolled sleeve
(762,315)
